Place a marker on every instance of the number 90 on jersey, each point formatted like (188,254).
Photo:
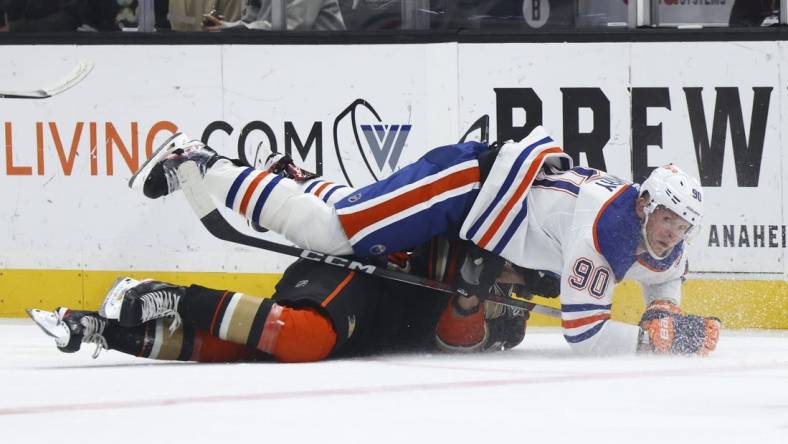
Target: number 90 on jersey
(585,276)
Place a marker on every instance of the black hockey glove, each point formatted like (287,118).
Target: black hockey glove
(505,326)
(478,271)
(538,282)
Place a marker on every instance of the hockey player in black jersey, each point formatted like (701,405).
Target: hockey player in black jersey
(317,311)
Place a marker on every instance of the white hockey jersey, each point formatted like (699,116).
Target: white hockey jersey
(581,225)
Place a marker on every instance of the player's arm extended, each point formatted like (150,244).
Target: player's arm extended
(665,328)
(586,299)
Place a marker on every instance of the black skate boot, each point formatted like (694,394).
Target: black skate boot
(71,328)
(132,302)
(158,177)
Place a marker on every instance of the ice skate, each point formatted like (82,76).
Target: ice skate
(110,307)
(157,177)
(71,328)
(284,166)
(134,302)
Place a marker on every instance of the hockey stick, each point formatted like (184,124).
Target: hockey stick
(192,184)
(82,69)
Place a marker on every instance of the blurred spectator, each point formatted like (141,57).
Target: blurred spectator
(301,15)
(100,15)
(115,15)
(188,15)
(371,15)
(3,22)
(755,13)
(41,15)
(161,11)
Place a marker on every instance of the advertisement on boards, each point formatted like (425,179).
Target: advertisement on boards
(68,158)
(627,108)
(622,107)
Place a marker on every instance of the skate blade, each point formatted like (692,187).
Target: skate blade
(110,308)
(175,140)
(50,324)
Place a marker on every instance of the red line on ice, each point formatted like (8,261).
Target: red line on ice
(355,391)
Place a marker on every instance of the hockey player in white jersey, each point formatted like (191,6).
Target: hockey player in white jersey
(522,202)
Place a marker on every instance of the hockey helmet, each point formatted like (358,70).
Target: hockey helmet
(672,188)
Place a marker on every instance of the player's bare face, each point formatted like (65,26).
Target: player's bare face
(665,229)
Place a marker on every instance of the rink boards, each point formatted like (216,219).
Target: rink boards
(739,303)
(355,113)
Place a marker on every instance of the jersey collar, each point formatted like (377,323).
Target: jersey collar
(617,230)
(617,233)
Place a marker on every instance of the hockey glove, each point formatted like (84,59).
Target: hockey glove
(666,330)
(478,272)
(505,325)
(538,282)
(461,330)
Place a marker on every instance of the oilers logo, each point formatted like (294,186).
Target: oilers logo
(367,148)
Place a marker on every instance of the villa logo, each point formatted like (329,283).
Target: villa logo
(386,142)
(367,148)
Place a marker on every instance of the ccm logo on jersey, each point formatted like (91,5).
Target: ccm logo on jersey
(340,261)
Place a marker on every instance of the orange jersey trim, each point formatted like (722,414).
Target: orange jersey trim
(572,323)
(216,313)
(250,191)
(321,188)
(339,288)
(355,222)
(536,165)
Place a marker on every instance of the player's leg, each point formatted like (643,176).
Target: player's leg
(248,321)
(279,204)
(284,166)
(489,326)
(346,299)
(72,328)
(465,323)
(461,329)
(313,312)
(428,197)
(265,198)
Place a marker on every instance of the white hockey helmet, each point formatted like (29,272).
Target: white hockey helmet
(677,191)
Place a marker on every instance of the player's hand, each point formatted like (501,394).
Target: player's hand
(212,23)
(478,272)
(666,330)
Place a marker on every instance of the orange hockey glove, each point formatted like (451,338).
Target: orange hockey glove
(666,330)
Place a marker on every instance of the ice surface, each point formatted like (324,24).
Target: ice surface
(537,393)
